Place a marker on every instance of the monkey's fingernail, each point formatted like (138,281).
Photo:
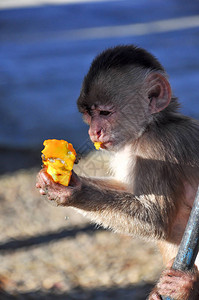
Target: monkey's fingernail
(42,192)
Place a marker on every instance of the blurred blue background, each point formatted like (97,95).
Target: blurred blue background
(46,49)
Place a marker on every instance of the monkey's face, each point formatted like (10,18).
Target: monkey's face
(119,104)
(114,107)
(101,120)
(112,126)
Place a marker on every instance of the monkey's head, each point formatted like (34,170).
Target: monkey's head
(124,89)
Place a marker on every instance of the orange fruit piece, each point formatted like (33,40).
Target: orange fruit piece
(97,145)
(59,157)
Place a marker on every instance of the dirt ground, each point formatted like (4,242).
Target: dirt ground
(55,253)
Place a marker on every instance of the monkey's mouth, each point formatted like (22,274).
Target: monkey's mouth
(106,145)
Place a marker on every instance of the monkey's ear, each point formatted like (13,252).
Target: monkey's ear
(159,92)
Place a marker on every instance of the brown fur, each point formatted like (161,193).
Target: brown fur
(155,160)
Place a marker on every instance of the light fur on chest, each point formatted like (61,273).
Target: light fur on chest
(121,164)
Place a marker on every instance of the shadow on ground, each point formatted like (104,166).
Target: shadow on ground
(42,239)
(138,292)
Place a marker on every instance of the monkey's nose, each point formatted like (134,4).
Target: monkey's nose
(98,133)
(95,134)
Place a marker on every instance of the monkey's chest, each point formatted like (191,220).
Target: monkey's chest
(122,165)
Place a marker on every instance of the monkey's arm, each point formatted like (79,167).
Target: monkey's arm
(108,183)
(119,210)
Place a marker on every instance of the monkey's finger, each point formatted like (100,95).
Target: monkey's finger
(167,288)
(168,280)
(42,192)
(172,273)
(38,185)
(168,283)
(174,286)
(52,197)
(45,177)
(154,296)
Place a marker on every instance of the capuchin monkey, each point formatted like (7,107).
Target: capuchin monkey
(127,101)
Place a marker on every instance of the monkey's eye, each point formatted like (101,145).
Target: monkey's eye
(104,112)
(86,117)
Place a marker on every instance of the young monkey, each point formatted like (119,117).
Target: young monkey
(126,100)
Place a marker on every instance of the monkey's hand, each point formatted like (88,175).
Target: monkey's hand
(177,285)
(154,295)
(61,194)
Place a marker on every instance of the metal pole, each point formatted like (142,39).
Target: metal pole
(189,245)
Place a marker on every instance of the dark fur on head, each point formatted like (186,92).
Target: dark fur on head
(122,59)
(117,58)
